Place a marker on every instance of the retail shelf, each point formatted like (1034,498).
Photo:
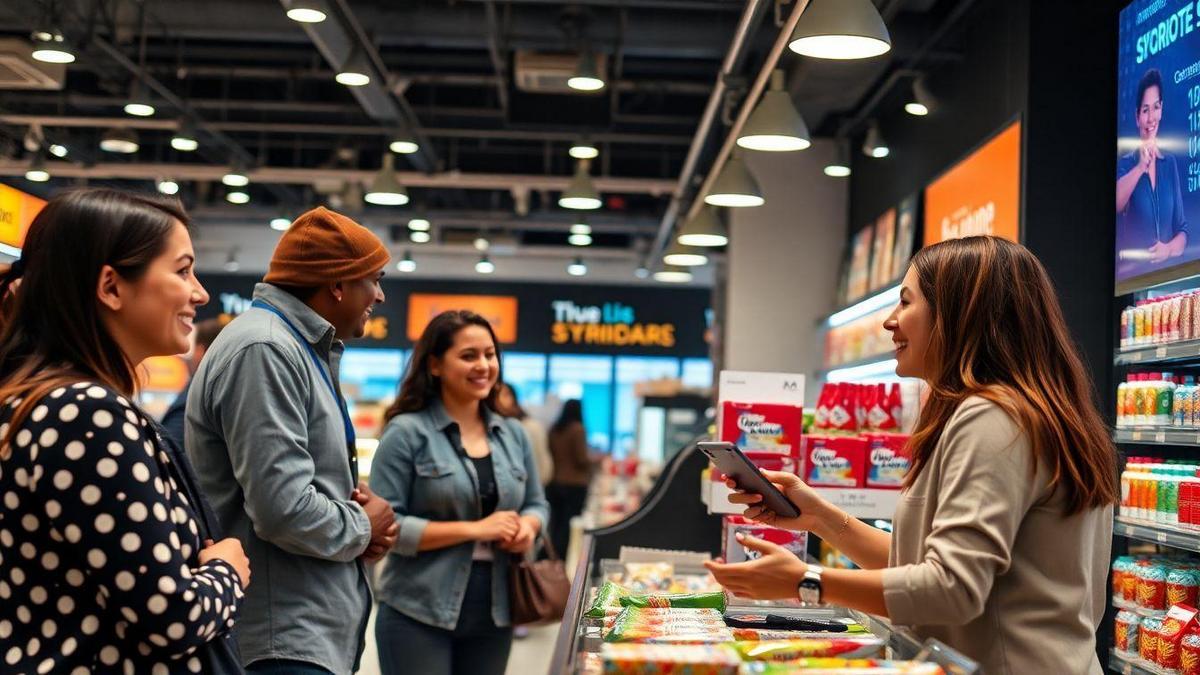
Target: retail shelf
(865,361)
(1159,436)
(1169,353)
(1120,664)
(1157,533)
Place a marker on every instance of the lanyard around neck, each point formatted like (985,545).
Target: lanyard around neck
(347,425)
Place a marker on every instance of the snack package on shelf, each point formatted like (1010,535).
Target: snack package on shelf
(648,576)
(835,461)
(1180,619)
(678,600)
(609,596)
(1125,633)
(668,626)
(828,666)
(763,427)
(647,659)
(864,647)
(888,460)
(762,634)
(734,552)
(851,407)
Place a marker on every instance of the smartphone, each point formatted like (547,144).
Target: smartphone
(733,463)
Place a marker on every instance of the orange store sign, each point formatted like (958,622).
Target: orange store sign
(979,195)
(499,310)
(17,210)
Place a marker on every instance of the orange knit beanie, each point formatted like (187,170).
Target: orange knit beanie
(322,247)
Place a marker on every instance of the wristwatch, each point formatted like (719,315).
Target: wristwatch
(809,589)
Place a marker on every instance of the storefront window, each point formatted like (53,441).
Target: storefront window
(630,371)
(697,373)
(371,374)
(526,374)
(589,379)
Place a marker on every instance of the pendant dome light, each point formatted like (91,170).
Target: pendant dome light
(49,46)
(679,256)
(839,166)
(167,186)
(703,230)
(407,264)
(386,190)
(281,223)
(580,193)
(419,225)
(139,103)
(577,268)
(404,145)
(586,77)
(236,176)
(673,275)
(873,145)
(37,172)
(584,149)
(922,100)
(119,140)
(840,29)
(775,125)
(354,72)
(735,186)
(307,11)
(485,265)
(184,139)
(419,237)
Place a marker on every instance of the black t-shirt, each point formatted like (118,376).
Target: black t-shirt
(488,494)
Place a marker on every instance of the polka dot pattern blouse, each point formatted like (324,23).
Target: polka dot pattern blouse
(99,567)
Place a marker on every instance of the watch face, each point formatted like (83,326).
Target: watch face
(810,593)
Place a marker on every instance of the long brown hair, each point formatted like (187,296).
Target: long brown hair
(998,333)
(51,334)
(421,387)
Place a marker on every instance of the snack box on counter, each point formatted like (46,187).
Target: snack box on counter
(734,552)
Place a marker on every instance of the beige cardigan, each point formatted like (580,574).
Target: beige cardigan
(983,559)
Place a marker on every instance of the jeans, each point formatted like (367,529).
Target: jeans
(285,667)
(566,502)
(476,646)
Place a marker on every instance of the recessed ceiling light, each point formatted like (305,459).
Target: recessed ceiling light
(281,224)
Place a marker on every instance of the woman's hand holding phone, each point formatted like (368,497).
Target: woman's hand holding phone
(816,514)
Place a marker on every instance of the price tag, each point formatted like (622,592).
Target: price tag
(1160,437)
(1136,356)
(1135,436)
(1127,670)
(1160,353)
(1161,537)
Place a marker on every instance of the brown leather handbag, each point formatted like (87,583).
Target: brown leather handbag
(537,589)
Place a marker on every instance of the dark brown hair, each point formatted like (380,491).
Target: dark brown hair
(421,387)
(998,333)
(51,334)
(515,410)
(207,332)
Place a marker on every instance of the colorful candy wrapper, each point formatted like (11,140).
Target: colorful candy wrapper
(1189,655)
(609,595)
(641,659)
(790,650)
(827,666)
(681,600)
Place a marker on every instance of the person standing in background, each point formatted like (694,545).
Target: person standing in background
(567,491)
(508,405)
(172,421)
(461,481)
(269,433)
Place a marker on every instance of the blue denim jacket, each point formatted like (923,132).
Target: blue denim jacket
(424,477)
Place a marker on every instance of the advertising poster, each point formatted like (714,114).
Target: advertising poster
(906,224)
(860,264)
(881,254)
(17,210)
(981,195)
(1158,134)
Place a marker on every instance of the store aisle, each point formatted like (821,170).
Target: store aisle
(530,656)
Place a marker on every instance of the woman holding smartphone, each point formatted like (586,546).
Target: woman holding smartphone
(1002,536)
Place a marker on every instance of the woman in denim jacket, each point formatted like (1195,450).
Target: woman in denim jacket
(463,482)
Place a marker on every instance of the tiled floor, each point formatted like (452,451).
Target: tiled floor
(530,656)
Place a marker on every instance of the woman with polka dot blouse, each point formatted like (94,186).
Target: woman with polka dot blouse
(103,562)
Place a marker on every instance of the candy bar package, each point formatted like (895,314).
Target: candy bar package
(761,427)
(888,460)
(681,600)
(760,634)
(835,461)
(827,666)
(675,626)
(645,659)
(858,647)
(609,595)
(648,577)
(734,552)
(653,616)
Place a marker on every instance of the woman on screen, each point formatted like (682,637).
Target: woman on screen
(1152,225)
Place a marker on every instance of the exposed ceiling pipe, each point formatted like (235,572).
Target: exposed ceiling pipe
(753,12)
(268,175)
(499,60)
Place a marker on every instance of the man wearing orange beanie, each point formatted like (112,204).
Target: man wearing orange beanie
(269,434)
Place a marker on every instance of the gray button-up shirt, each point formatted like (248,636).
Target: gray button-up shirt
(267,440)
(428,477)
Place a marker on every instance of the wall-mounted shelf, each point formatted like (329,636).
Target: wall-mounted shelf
(1177,436)
(1157,533)
(1119,664)
(1177,352)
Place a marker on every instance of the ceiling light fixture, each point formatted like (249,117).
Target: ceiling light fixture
(386,190)
(184,139)
(119,140)
(419,225)
(922,100)
(404,145)
(704,230)
(139,103)
(641,272)
(581,228)
(37,172)
(577,268)
(407,264)
(673,275)
(586,77)
(485,265)
(874,145)
(775,125)
(482,244)
(231,263)
(580,240)
(419,237)
(306,11)
(584,149)
(840,29)
(281,224)
(167,186)
(236,176)
(49,46)
(580,193)
(839,166)
(58,150)
(735,186)
(237,197)
(354,72)
(679,256)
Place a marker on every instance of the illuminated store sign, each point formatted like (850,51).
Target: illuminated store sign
(611,324)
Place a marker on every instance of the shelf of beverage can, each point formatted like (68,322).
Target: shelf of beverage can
(1188,436)
(1162,353)
(1157,533)
(1130,666)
